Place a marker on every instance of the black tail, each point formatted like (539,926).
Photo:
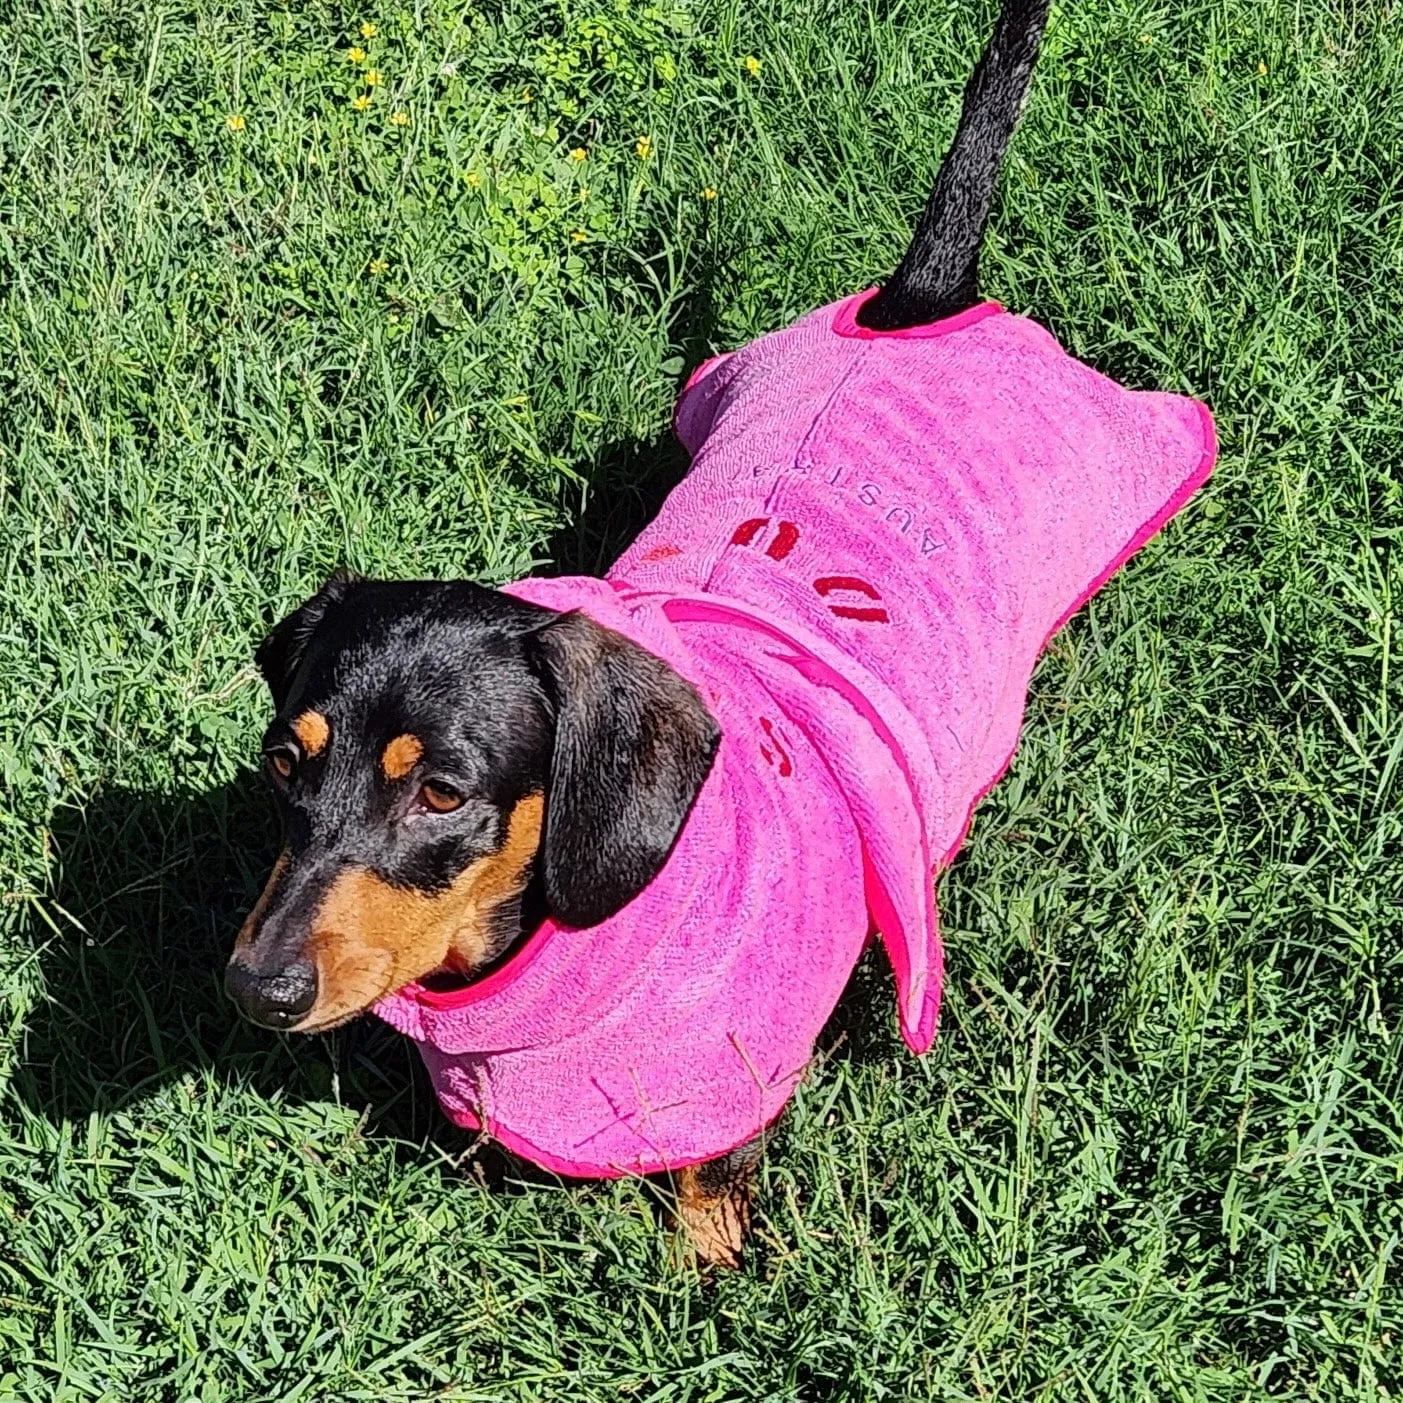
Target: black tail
(940,273)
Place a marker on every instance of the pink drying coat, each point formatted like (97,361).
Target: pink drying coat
(877,537)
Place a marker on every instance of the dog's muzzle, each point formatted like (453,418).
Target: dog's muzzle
(277,1000)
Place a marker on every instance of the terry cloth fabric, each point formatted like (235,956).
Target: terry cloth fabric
(877,537)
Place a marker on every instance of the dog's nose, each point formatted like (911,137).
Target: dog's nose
(274,1000)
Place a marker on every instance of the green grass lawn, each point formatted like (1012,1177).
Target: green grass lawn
(254,328)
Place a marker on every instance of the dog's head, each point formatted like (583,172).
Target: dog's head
(436,749)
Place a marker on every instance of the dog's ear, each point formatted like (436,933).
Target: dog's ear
(633,745)
(281,653)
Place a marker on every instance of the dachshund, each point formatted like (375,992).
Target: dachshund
(466,776)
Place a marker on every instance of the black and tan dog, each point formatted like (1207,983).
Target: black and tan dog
(451,764)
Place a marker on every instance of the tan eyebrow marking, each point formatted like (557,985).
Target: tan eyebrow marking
(313,730)
(401,756)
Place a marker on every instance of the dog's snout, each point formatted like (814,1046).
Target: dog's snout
(276,1000)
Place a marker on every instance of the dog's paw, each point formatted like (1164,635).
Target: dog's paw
(714,1218)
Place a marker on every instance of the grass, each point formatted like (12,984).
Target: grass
(251,332)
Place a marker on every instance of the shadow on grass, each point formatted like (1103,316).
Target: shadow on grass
(626,487)
(152,890)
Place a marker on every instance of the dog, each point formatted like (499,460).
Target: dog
(608,850)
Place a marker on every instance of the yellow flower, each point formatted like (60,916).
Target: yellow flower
(708,192)
(527,94)
(372,79)
(368,30)
(1262,69)
(356,54)
(378,266)
(644,147)
(360,103)
(579,154)
(578,237)
(474,179)
(236,122)
(752,65)
(400,119)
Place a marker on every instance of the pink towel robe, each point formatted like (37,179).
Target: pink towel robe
(877,537)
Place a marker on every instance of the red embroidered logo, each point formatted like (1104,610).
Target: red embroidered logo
(786,768)
(786,536)
(850,584)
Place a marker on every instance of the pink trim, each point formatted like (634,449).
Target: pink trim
(571,1169)
(445,1000)
(884,915)
(705,369)
(1146,533)
(845,321)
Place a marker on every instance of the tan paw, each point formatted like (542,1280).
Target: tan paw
(714,1217)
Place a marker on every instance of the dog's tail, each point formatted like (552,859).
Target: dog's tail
(940,273)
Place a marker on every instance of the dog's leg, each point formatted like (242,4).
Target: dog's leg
(713,1204)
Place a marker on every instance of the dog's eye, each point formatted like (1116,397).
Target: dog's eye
(440,798)
(283,760)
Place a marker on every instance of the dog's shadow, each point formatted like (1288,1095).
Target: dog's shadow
(150,892)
